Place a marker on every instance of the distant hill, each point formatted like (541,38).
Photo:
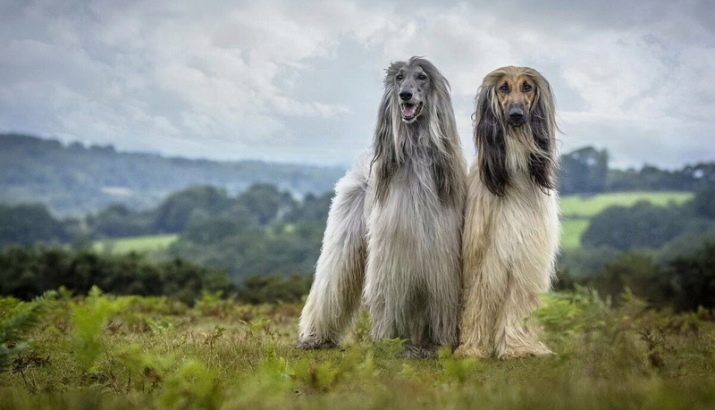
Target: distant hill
(74,179)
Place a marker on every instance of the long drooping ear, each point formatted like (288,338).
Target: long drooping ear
(385,160)
(447,162)
(489,139)
(542,163)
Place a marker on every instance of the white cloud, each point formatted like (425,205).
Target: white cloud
(301,81)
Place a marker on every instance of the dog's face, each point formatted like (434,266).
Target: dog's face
(516,93)
(515,102)
(412,86)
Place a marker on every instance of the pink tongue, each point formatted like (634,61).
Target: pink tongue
(409,110)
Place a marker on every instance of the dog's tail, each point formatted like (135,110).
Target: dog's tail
(340,271)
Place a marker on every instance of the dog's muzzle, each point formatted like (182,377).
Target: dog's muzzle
(410,111)
(516,116)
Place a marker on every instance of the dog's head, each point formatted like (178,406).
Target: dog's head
(416,110)
(515,102)
(412,86)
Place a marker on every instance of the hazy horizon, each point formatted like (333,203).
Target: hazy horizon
(278,81)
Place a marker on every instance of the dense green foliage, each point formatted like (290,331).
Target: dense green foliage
(686,282)
(578,210)
(75,179)
(27,224)
(139,352)
(645,225)
(260,232)
(692,278)
(642,225)
(28,272)
(16,320)
(266,235)
(276,288)
(119,221)
(664,254)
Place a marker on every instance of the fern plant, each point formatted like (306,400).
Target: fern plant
(17,319)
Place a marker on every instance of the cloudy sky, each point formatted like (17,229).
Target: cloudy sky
(300,81)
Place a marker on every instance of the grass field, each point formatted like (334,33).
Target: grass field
(148,243)
(571,231)
(588,206)
(132,352)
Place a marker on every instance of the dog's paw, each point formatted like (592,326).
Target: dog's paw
(315,344)
(470,351)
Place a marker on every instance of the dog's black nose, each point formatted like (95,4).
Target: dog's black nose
(405,95)
(516,115)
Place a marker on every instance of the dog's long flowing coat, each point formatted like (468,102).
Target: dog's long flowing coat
(394,227)
(511,230)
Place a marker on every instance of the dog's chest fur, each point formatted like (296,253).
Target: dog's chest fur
(412,206)
(522,223)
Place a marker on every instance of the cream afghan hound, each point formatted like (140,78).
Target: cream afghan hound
(511,231)
(394,228)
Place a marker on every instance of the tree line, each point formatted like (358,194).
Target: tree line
(587,170)
(267,241)
(29,271)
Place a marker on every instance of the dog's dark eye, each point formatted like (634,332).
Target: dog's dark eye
(504,88)
(526,87)
(400,77)
(421,76)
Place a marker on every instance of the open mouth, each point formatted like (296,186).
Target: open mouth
(410,111)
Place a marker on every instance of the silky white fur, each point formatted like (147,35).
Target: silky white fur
(400,251)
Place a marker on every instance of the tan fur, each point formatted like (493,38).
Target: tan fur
(510,241)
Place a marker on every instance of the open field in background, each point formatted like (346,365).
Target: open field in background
(147,243)
(571,231)
(133,352)
(575,210)
(589,205)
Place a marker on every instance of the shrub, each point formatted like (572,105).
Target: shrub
(28,272)
(693,279)
(268,289)
(641,226)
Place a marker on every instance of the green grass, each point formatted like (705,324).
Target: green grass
(132,352)
(148,243)
(588,206)
(571,231)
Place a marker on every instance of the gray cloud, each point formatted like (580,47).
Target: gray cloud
(301,81)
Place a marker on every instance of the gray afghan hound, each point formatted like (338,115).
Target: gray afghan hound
(511,230)
(394,227)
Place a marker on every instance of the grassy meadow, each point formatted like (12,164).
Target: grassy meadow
(585,206)
(111,352)
(64,351)
(145,243)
